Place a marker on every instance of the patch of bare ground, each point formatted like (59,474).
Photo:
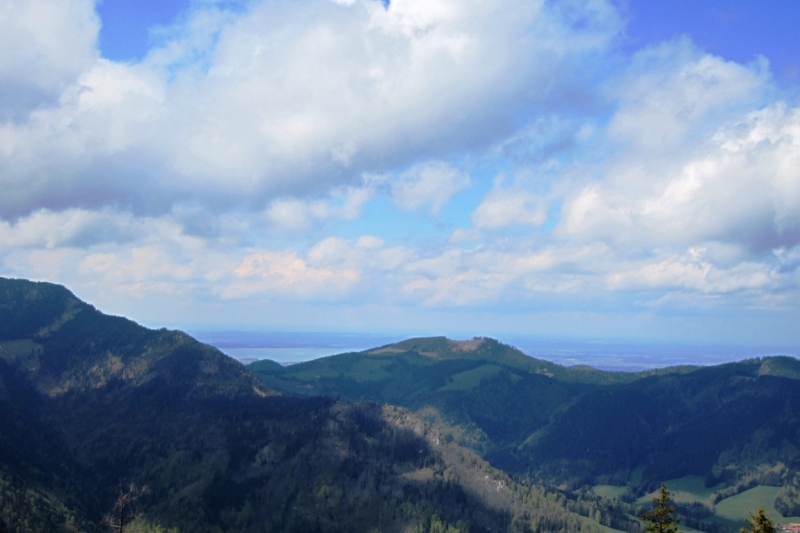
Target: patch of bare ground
(466,346)
(478,477)
(380,351)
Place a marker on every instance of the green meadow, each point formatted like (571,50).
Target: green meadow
(609,491)
(687,489)
(737,508)
(730,512)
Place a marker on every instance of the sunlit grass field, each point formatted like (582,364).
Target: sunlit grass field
(731,511)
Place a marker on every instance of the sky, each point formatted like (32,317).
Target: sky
(600,169)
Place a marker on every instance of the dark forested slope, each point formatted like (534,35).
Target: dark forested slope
(89,401)
(721,423)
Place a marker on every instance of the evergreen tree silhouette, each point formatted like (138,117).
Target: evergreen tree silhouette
(660,518)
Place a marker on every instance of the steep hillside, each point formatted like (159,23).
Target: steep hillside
(733,424)
(490,395)
(722,423)
(89,402)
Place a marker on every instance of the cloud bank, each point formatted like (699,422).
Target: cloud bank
(435,159)
(236,109)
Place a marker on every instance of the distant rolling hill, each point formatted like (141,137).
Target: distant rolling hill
(90,402)
(734,425)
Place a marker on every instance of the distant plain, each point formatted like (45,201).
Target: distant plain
(297,347)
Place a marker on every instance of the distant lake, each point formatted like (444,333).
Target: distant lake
(289,347)
(296,347)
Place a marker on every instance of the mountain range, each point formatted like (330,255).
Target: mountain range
(423,435)
(735,426)
(532,416)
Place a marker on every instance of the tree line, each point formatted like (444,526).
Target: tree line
(661,518)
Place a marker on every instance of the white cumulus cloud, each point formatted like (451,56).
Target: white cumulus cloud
(46,45)
(285,99)
(431,184)
(504,207)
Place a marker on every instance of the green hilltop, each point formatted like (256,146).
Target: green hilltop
(734,426)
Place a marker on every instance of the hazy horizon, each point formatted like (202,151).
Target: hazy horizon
(296,347)
(591,169)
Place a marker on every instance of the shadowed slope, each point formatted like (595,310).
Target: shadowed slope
(88,401)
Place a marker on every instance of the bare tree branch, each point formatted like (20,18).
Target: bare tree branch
(121,517)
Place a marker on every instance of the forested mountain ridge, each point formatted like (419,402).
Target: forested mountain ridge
(89,401)
(735,425)
(63,344)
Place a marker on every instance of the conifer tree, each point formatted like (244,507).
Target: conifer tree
(759,523)
(660,518)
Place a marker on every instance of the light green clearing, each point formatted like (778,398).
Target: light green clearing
(609,491)
(685,489)
(598,525)
(366,369)
(739,507)
(25,351)
(734,509)
(470,379)
(692,485)
(19,348)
